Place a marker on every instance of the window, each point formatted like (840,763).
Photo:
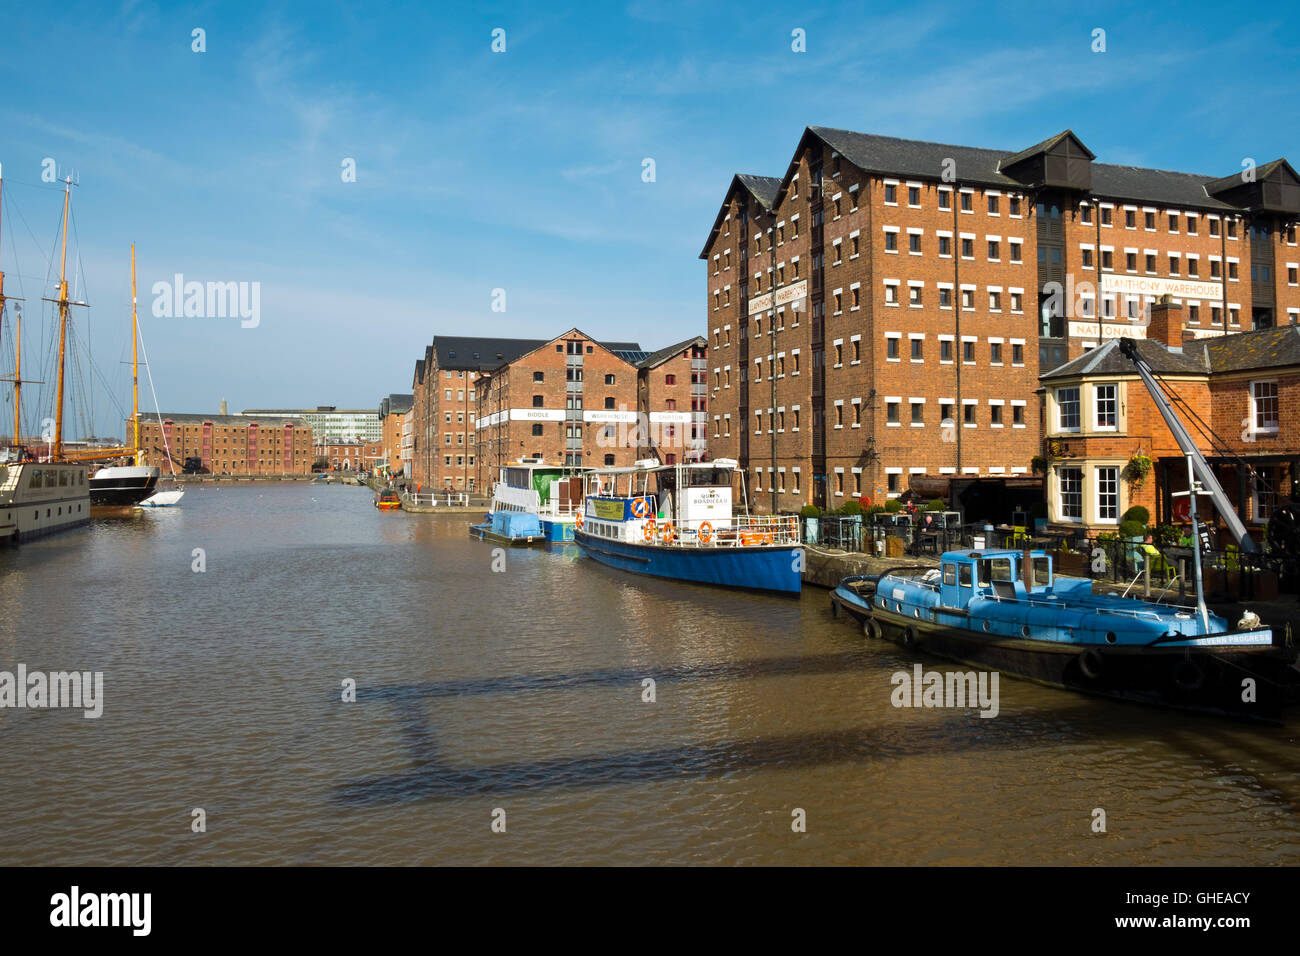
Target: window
(1106,399)
(1105,215)
(1085,258)
(891,242)
(1107,494)
(1130,219)
(1015,251)
(968,353)
(1017,354)
(1085,214)
(918,413)
(891,193)
(945,350)
(538,401)
(609,379)
(891,412)
(945,298)
(945,413)
(995,301)
(1070,492)
(891,295)
(1131,261)
(1193,266)
(945,199)
(1263,399)
(967,202)
(1173,222)
(993,205)
(1214,227)
(1173,265)
(1151,262)
(914,295)
(1107,259)
(609,402)
(538,376)
(995,252)
(1018,415)
(1017,302)
(968,248)
(891,348)
(968,414)
(1149,221)
(995,353)
(1067,409)
(913,196)
(670,379)
(945,246)
(914,242)
(1191,225)
(918,346)
(968,299)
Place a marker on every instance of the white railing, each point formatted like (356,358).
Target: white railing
(739,532)
(434,499)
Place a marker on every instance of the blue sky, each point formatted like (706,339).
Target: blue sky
(522,170)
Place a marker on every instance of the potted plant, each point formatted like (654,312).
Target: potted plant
(893,506)
(1039,464)
(1137,469)
(810,514)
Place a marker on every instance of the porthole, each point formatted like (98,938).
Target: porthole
(916,612)
(1024,630)
(987,626)
(60,511)
(1110,637)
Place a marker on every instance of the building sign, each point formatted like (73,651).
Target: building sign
(1107,330)
(610,417)
(537,414)
(787,294)
(670,418)
(1112,284)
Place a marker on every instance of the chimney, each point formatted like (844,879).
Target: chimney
(1166,324)
(223,406)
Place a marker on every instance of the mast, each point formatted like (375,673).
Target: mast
(57,449)
(18,343)
(135,371)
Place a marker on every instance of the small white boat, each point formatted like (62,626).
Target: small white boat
(163,499)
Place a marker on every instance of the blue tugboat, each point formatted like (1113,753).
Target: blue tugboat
(1006,610)
(676,521)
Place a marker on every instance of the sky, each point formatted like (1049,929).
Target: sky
(521,170)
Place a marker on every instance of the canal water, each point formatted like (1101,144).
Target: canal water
(519,695)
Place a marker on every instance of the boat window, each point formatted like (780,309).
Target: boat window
(1042,572)
(963,572)
(950,574)
(35,481)
(995,569)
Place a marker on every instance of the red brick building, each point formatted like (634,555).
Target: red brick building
(1240,400)
(883,310)
(392,416)
(672,402)
(226,444)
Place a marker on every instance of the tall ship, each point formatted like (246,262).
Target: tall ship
(677,521)
(127,484)
(40,495)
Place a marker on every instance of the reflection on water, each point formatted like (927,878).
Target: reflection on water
(524,691)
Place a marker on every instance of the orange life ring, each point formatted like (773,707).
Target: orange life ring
(650,530)
(577,522)
(1182,510)
(704,532)
(640,508)
(667,532)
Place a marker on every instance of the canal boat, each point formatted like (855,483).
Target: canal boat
(1007,610)
(388,501)
(513,528)
(551,492)
(677,521)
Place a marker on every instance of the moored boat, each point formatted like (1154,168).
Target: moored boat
(676,521)
(1006,610)
(388,501)
(513,528)
(551,492)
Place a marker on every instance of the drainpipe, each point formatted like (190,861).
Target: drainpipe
(958,347)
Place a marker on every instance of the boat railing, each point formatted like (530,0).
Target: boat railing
(743,532)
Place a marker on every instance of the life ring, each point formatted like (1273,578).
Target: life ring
(640,508)
(577,521)
(793,525)
(667,533)
(1092,663)
(1188,675)
(649,530)
(704,532)
(1182,510)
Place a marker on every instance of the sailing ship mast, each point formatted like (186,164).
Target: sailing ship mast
(18,340)
(135,372)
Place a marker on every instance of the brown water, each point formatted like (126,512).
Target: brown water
(522,690)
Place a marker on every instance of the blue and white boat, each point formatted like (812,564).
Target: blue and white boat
(1007,611)
(551,493)
(676,521)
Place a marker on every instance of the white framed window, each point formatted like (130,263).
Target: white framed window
(1067,409)
(1069,493)
(1107,489)
(1106,407)
(1263,407)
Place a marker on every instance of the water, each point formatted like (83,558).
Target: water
(522,691)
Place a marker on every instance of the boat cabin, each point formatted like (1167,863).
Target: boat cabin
(533,487)
(1003,574)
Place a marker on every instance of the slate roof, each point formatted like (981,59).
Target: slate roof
(919,159)
(1260,349)
(478,354)
(762,188)
(1107,360)
(658,358)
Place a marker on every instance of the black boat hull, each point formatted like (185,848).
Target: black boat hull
(1205,680)
(122,491)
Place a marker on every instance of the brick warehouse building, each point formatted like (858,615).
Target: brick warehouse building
(1243,390)
(392,418)
(227,444)
(920,289)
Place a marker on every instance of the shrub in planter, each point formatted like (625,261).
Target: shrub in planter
(810,511)
(1136,513)
(1132,529)
(936,504)
(1039,464)
(893,506)
(851,508)
(876,510)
